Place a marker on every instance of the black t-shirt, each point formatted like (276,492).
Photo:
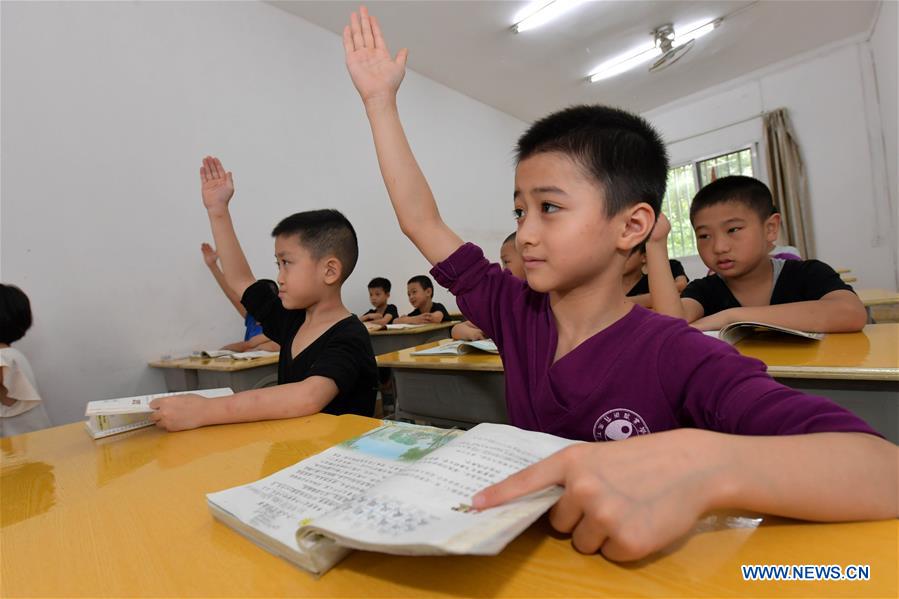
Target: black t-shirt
(342,353)
(435,307)
(390,309)
(642,286)
(799,281)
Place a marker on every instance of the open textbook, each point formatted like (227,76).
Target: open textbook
(400,488)
(458,348)
(112,416)
(737,331)
(399,327)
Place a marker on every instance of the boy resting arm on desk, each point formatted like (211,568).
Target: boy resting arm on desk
(736,222)
(421,295)
(381,312)
(326,362)
(584,363)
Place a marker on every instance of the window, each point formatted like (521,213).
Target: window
(683,182)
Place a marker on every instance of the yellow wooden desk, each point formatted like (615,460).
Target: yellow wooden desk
(859,371)
(877,297)
(447,390)
(127,517)
(189,374)
(387,340)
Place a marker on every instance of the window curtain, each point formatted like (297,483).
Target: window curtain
(789,184)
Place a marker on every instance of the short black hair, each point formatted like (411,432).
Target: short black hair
(15,314)
(379,283)
(620,150)
(510,238)
(735,188)
(423,280)
(324,232)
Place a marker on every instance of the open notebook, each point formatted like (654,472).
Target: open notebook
(458,348)
(401,488)
(112,416)
(737,331)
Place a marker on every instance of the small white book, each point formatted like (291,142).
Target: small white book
(458,348)
(398,327)
(212,353)
(251,355)
(401,488)
(737,331)
(112,416)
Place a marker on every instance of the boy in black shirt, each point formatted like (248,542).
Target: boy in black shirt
(735,222)
(378,295)
(326,362)
(636,280)
(421,296)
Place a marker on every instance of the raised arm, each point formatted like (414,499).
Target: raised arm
(210,257)
(663,289)
(377,78)
(217,189)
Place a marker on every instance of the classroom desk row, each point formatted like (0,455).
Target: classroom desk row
(127,516)
(860,371)
(189,374)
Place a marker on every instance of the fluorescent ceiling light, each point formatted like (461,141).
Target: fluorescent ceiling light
(541,12)
(693,31)
(625,62)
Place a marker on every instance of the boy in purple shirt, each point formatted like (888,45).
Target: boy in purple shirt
(583,362)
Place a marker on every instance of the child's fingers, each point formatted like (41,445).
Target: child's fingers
(219,169)
(203,176)
(588,536)
(347,40)
(376,32)
(567,513)
(358,42)
(367,36)
(539,476)
(401,57)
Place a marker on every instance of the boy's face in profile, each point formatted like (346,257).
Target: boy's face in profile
(511,260)
(300,276)
(732,238)
(563,235)
(377,296)
(418,297)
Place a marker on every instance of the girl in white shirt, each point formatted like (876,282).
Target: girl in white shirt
(21,408)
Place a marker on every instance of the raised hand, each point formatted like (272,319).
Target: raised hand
(217,184)
(661,230)
(374,73)
(210,257)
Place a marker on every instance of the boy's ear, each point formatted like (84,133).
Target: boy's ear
(772,227)
(332,270)
(638,222)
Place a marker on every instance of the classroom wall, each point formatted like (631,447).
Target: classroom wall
(826,95)
(107,110)
(884,51)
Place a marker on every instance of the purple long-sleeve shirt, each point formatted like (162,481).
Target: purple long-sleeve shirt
(645,373)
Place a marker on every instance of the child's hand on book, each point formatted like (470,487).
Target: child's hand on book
(375,74)
(717,321)
(217,184)
(625,498)
(179,412)
(210,257)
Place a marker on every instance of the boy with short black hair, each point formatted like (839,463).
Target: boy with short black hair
(584,363)
(421,295)
(381,313)
(326,363)
(736,223)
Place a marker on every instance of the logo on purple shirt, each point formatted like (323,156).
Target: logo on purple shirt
(619,424)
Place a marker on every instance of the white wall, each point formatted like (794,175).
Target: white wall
(884,51)
(826,98)
(107,110)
